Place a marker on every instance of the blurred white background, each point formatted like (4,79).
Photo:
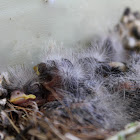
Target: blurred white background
(27,25)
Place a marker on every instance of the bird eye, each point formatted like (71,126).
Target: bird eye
(34,87)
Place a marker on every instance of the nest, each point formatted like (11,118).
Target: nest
(40,124)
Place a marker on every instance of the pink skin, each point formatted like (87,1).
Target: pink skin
(17,94)
(18,98)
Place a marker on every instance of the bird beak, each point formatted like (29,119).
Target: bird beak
(22,98)
(36,70)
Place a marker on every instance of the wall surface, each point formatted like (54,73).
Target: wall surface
(27,25)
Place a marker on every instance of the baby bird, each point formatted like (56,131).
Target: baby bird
(128,86)
(79,85)
(23,86)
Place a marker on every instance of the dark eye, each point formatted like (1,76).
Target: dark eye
(42,68)
(34,87)
(49,78)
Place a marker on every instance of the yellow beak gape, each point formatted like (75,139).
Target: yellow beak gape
(36,70)
(26,97)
